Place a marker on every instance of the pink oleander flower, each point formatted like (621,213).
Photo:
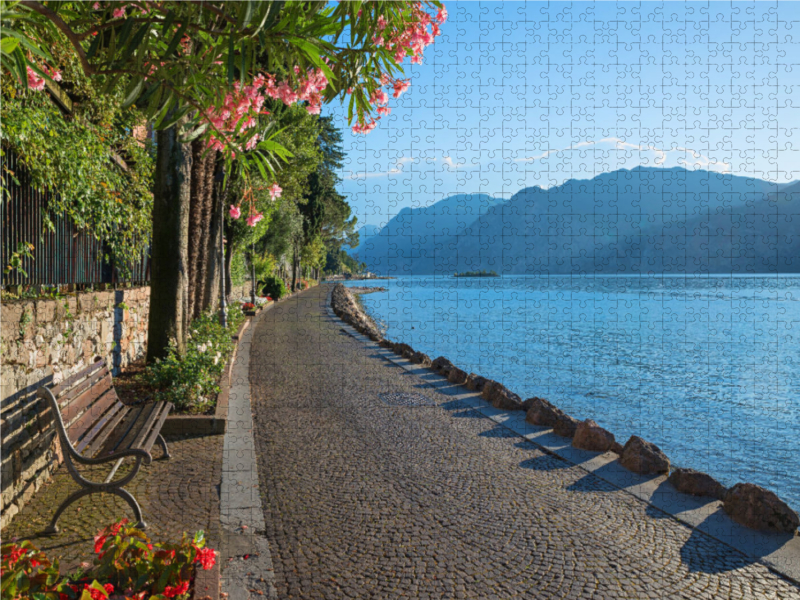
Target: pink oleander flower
(384,110)
(96,6)
(441,16)
(379,97)
(275,191)
(381,23)
(35,82)
(400,86)
(119,12)
(254,218)
(235,212)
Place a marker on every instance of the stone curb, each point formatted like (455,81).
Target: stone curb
(780,553)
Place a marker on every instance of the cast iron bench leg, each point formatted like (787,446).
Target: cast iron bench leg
(121,492)
(163,443)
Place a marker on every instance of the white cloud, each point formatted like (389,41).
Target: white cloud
(690,158)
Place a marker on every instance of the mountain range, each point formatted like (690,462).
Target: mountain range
(642,220)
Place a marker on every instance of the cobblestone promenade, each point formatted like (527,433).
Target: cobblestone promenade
(363,499)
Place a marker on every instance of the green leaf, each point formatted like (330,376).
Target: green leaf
(155,99)
(8,45)
(193,135)
(133,91)
(176,39)
(176,116)
(137,39)
(246,14)
(231,60)
(125,32)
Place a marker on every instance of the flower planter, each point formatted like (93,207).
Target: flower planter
(208,424)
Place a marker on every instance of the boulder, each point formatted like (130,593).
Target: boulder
(403,350)
(590,436)
(696,483)
(530,402)
(643,457)
(542,413)
(420,358)
(504,399)
(476,382)
(441,363)
(566,426)
(753,506)
(457,376)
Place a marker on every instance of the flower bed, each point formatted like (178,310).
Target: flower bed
(191,381)
(127,566)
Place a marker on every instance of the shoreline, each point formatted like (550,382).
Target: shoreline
(748,504)
(780,552)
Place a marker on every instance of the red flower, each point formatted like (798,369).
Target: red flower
(172,591)
(99,540)
(207,557)
(97,594)
(16,553)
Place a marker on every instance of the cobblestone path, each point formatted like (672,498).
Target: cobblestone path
(177,495)
(367,500)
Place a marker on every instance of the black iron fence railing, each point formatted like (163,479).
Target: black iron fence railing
(65,255)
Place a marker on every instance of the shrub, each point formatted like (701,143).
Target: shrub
(190,380)
(273,286)
(127,563)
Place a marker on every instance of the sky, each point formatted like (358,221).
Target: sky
(516,94)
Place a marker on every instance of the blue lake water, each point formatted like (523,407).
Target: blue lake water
(707,367)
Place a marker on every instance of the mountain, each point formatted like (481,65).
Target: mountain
(628,221)
(365,232)
(407,243)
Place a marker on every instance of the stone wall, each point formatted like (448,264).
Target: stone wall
(44,341)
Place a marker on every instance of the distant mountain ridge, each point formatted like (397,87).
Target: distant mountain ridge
(628,221)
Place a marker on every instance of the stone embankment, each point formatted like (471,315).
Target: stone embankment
(746,503)
(348,310)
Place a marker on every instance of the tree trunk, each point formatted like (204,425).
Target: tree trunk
(228,260)
(169,248)
(206,204)
(294,268)
(213,262)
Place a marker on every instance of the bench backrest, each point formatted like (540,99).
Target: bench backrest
(88,404)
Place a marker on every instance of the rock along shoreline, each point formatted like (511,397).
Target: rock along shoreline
(747,504)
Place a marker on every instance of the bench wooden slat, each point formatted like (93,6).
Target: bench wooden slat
(56,390)
(103,428)
(142,427)
(95,412)
(77,389)
(93,449)
(151,439)
(83,402)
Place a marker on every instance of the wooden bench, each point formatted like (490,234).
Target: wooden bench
(94,427)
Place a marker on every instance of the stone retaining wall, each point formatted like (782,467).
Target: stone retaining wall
(44,341)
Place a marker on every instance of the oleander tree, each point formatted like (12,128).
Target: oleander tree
(205,72)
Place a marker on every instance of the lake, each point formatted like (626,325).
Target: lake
(706,367)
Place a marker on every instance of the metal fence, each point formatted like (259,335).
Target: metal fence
(65,255)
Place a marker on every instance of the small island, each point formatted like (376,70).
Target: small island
(476,274)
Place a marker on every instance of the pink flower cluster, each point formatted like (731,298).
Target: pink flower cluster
(36,82)
(411,37)
(235,212)
(240,106)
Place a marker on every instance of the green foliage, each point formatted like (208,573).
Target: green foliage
(342,262)
(239,269)
(180,58)
(127,562)
(24,250)
(273,286)
(264,266)
(190,381)
(77,156)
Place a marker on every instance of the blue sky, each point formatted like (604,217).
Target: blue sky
(515,94)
